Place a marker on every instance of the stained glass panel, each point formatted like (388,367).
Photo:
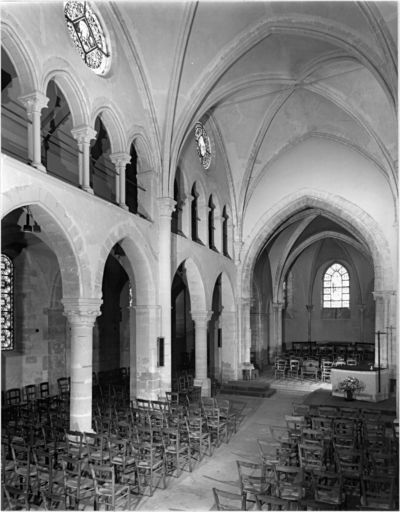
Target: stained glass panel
(87,34)
(203,145)
(7,303)
(336,287)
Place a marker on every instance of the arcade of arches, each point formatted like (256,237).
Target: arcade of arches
(132,240)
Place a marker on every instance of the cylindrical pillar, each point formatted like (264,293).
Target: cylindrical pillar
(81,314)
(83,135)
(166,206)
(120,160)
(34,103)
(201,319)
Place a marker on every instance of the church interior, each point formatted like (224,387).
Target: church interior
(199,217)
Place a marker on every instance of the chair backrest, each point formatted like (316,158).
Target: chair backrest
(13,396)
(378,492)
(63,385)
(225,500)
(251,475)
(30,393)
(44,389)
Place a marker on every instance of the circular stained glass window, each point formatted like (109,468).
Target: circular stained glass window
(203,145)
(88,35)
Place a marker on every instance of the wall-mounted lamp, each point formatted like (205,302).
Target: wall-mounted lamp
(28,228)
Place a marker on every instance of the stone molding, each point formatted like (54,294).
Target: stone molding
(82,311)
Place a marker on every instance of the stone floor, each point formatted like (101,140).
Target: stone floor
(193,491)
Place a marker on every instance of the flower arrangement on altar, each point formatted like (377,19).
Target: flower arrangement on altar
(351,385)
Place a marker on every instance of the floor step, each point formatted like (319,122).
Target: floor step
(247,388)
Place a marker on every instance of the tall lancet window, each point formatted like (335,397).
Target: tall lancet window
(7,303)
(336,287)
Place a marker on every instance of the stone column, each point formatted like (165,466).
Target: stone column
(83,135)
(120,160)
(202,225)
(244,315)
(201,319)
(277,325)
(383,320)
(309,308)
(166,206)
(144,354)
(229,349)
(34,103)
(81,314)
(186,206)
(218,220)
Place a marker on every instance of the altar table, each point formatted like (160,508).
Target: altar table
(369,378)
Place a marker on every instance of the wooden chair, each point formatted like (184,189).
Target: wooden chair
(267,502)
(199,437)
(293,370)
(328,489)
(63,387)
(24,467)
(289,483)
(75,444)
(226,500)
(50,480)
(151,468)
(280,369)
(312,457)
(177,452)
(310,368)
(97,448)
(295,425)
(227,414)
(107,491)
(326,367)
(216,425)
(377,492)
(252,479)
(78,488)
(268,451)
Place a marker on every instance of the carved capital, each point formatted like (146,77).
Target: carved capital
(82,311)
(34,102)
(166,206)
(201,316)
(120,159)
(83,134)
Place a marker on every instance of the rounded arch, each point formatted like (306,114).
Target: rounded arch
(21,58)
(362,225)
(61,72)
(110,115)
(196,285)
(141,262)
(137,136)
(60,234)
(228,297)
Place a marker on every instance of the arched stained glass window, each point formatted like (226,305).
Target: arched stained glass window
(88,35)
(336,287)
(7,303)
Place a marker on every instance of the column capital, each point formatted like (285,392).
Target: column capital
(277,305)
(82,310)
(34,101)
(383,294)
(120,159)
(83,134)
(166,206)
(201,316)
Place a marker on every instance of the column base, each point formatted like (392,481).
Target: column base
(124,206)
(40,167)
(89,190)
(205,386)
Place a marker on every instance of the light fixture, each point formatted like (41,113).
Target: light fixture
(28,228)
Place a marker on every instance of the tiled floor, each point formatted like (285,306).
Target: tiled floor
(193,491)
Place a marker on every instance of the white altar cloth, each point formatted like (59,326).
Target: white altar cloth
(370,378)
